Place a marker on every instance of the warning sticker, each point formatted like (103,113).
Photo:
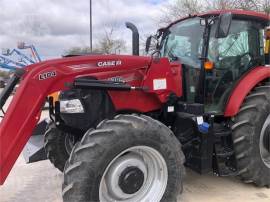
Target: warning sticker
(200,120)
(160,84)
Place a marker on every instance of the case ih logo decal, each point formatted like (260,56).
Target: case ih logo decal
(109,63)
(47,75)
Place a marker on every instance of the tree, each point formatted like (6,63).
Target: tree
(107,44)
(4,74)
(179,8)
(78,51)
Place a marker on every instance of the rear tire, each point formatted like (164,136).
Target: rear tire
(249,129)
(58,146)
(101,153)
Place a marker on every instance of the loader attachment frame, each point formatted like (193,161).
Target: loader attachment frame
(39,80)
(23,113)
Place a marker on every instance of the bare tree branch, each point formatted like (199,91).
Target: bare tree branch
(180,8)
(107,44)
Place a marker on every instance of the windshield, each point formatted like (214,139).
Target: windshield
(183,41)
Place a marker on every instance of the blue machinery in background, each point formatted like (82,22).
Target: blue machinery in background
(7,63)
(4,66)
(33,150)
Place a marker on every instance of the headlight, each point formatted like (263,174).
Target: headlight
(71,106)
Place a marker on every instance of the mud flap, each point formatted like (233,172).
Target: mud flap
(34,148)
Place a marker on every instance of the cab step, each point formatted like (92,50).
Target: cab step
(222,131)
(226,152)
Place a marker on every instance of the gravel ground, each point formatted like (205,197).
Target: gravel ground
(41,182)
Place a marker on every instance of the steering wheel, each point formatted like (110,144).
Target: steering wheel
(243,55)
(230,73)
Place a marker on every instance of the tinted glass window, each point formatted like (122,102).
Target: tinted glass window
(233,56)
(183,42)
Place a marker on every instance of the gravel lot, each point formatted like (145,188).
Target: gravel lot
(41,182)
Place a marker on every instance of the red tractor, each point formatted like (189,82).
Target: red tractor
(202,99)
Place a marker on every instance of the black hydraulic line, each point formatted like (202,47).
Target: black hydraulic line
(103,85)
(10,86)
(51,109)
(3,112)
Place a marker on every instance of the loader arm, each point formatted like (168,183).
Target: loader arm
(36,83)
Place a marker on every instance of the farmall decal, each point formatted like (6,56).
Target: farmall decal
(117,79)
(109,63)
(47,75)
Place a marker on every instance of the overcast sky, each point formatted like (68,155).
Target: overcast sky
(54,26)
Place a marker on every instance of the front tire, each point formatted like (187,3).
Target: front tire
(129,158)
(251,129)
(58,146)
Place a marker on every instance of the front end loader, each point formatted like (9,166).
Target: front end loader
(48,140)
(201,100)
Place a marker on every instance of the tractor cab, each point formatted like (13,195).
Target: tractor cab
(215,50)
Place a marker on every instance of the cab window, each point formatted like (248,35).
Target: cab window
(234,55)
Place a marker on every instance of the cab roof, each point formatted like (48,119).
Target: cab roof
(242,14)
(239,13)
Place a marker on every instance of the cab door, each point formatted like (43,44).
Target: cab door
(232,56)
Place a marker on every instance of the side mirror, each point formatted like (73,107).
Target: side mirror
(224,25)
(148,44)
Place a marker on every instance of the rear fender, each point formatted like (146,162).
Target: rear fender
(244,87)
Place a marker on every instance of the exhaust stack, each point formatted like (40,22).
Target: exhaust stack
(135,38)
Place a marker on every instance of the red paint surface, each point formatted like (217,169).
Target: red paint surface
(24,111)
(243,88)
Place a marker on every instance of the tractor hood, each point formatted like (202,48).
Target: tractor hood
(98,63)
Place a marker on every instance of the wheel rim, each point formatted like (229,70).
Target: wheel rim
(265,142)
(137,174)
(69,142)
